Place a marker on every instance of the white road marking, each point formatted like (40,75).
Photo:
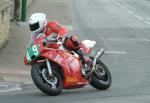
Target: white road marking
(69,27)
(129,39)
(130,12)
(6,88)
(147,22)
(11,90)
(115,52)
(139,17)
(134,14)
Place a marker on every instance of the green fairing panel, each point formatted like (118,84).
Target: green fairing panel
(32,51)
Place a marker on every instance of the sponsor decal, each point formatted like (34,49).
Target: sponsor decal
(71,79)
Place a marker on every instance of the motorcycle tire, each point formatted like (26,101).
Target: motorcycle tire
(42,84)
(101,83)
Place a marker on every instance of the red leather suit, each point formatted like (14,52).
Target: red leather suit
(54,27)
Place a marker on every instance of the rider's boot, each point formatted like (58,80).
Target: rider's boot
(87,62)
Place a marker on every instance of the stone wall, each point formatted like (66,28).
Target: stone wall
(5,15)
(6,12)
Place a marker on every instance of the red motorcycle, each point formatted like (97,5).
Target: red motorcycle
(54,68)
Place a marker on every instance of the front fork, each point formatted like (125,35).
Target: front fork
(96,57)
(49,67)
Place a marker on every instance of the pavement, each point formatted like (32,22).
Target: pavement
(13,73)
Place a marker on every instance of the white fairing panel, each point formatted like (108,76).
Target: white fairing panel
(89,43)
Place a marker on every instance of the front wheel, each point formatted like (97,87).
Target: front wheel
(47,84)
(101,77)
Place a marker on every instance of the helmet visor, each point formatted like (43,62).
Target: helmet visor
(34,26)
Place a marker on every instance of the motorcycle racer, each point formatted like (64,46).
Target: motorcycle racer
(52,30)
(40,27)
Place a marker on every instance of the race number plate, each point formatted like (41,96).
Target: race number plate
(32,53)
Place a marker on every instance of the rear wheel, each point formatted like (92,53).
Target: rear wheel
(51,85)
(101,77)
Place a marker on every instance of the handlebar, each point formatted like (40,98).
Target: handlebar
(47,43)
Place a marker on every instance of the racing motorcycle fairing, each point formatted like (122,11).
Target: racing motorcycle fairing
(71,68)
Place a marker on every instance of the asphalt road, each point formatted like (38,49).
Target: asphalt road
(122,27)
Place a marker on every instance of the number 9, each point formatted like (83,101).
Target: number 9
(34,48)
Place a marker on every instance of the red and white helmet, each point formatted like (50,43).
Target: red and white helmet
(37,22)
